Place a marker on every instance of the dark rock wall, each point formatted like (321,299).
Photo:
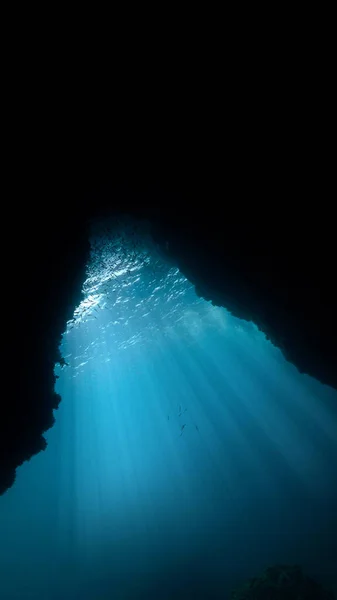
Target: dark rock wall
(44,281)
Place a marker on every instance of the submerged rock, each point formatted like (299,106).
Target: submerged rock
(282,582)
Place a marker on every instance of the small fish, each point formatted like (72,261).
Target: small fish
(197,428)
(168,417)
(182,429)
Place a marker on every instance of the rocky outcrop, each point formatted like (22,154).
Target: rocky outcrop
(282,582)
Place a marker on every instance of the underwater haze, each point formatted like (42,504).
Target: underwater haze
(187,454)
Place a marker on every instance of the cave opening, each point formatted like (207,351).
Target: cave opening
(187,453)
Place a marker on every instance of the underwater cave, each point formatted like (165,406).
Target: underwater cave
(187,454)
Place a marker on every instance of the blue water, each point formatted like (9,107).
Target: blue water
(187,454)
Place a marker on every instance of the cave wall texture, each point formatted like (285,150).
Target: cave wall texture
(264,256)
